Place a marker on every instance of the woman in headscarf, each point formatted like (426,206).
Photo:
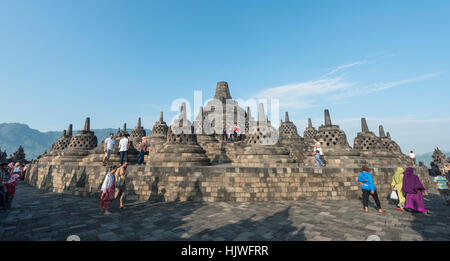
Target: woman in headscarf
(24,171)
(143,146)
(397,184)
(414,191)
(10,168)
(11,189)
(108,190)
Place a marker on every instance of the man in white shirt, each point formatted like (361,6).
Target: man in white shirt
(318,153)
(123,149)
(108,148)
(412,156)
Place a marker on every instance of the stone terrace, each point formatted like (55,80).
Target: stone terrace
(38,215)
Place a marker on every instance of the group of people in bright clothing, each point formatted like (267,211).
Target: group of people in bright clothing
(9,174)
(406,187)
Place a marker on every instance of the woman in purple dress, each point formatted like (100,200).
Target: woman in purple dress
(414,191)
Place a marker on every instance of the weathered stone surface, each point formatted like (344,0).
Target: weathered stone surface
(42,216)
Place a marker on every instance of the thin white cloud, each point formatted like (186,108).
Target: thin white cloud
(343,68)
(331,87)
(304,95)
(384,86)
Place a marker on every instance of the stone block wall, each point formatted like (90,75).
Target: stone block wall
(214,183)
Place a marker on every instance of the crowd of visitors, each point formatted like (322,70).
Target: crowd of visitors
(9,174)
(406,188)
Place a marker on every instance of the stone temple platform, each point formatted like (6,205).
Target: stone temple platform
(188,159)
(38,215)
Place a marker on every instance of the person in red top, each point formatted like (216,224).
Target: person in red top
(235,131)
(24,170)
(11,189)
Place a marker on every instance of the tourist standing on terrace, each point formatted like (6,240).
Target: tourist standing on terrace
(10,186)
(23,171)
(17,169)
(442,187)
(124,145)
(447,172)
(414,189)
(397,184)
(108,190)
(10,168)
(120,176)
(143,146)
(224,132)
(412,156)
(3,178)
(108,148)
(368,188)
(317,153)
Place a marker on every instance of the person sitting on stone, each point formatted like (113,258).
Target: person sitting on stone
(368,188)
(143,149)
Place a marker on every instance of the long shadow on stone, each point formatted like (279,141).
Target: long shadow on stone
(277,227)
(434,226)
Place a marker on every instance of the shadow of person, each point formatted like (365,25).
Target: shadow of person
(154,190)
(277,227)
(161,197)
(196,194)
(432,226)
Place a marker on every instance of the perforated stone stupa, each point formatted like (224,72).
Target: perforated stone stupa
(181,147)
(158,136)
(262,147)
(366,141)
(310,133)
(62,143)
(289,138)
(192,158)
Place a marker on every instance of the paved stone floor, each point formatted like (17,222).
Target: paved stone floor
(38,215)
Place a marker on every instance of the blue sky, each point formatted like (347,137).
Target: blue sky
(388,61)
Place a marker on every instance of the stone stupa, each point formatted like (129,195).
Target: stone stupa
(181,148)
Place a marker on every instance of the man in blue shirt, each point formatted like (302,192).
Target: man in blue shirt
(368,188)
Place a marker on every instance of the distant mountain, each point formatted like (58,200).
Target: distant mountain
(34,142)
(427,158)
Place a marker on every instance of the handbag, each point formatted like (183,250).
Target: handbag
(394,195)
